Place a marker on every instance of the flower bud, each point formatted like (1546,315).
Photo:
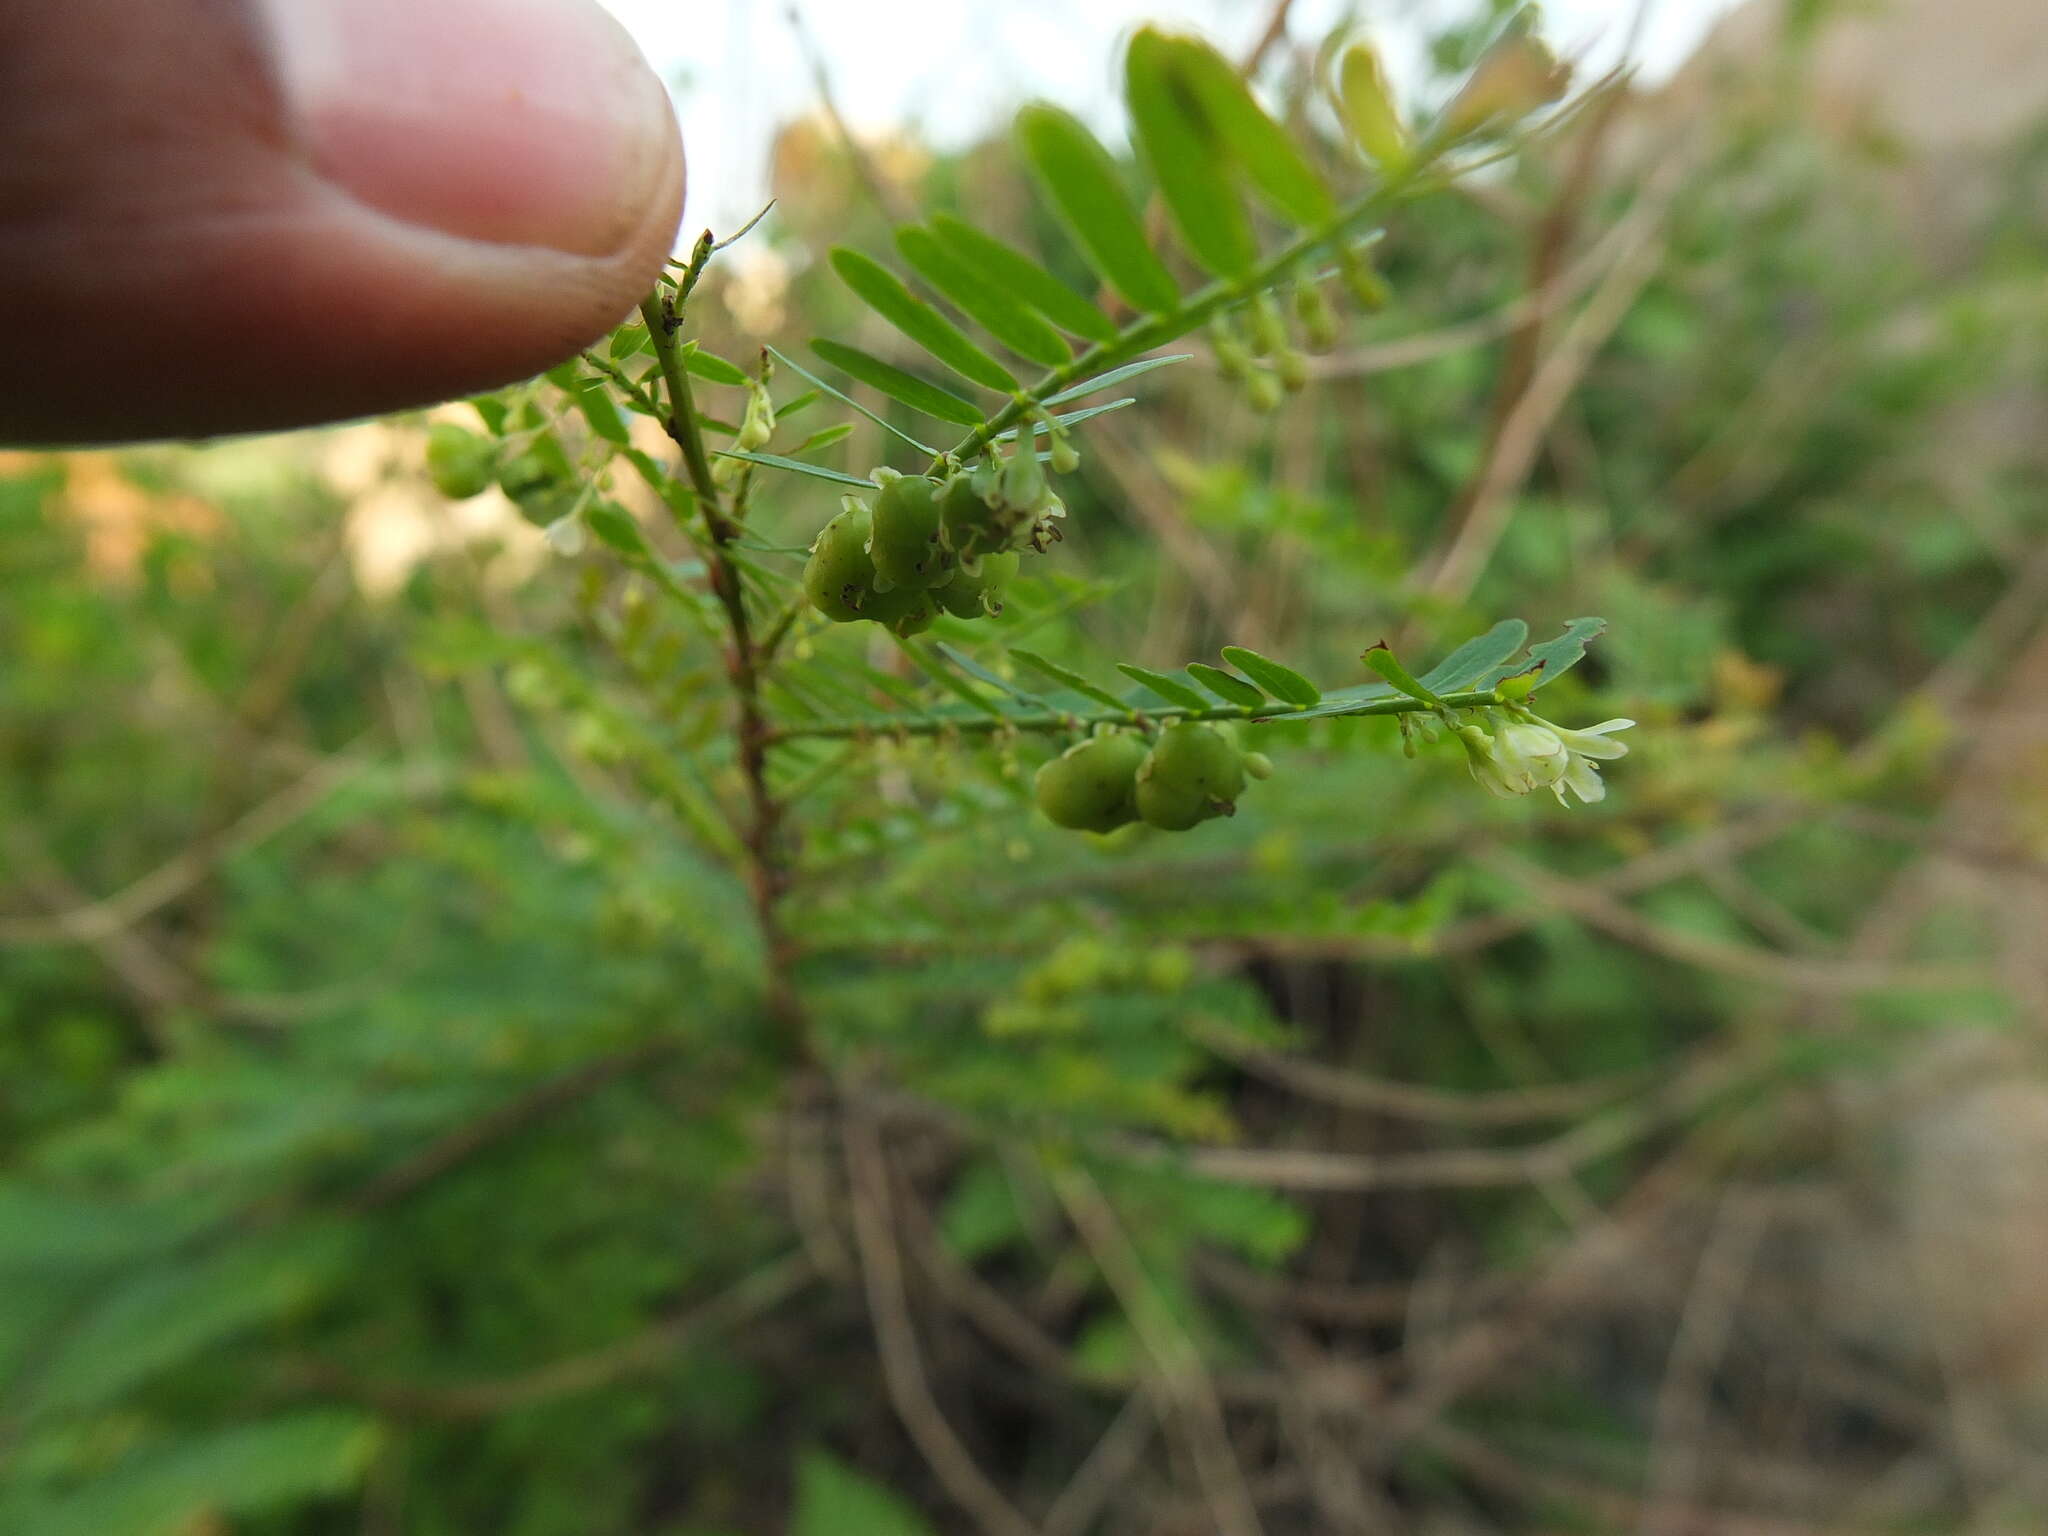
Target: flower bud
(1318,321)
(1263,389)
(1233,358)
(1368,289)
(758,425)
(1269,330)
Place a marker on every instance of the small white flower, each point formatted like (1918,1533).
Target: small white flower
(1531,755)
(1584,751)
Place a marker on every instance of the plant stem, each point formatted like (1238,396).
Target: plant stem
(767,870)
(1056,720)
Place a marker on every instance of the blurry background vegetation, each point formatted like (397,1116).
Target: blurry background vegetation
(394,1142)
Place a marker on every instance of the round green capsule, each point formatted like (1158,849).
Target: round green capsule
(1193,772)
(968,523)
(460,462)
(905,544)
(1091,787)
(978,589)
(839,578)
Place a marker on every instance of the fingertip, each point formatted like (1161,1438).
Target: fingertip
(320,249)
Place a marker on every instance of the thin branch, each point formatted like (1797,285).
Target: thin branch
(1411,1101)
(1491,500)
(97,920)
(1180,1376)
(1696,1350)
(1107,1469)
(896,1338)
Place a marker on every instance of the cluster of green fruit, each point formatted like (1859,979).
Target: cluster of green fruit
(1190,774)
(927,546)
(538,479)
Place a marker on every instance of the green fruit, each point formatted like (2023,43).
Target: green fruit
(905,543)
(459,461)
(969,525)
(839,578)
(1258,765)
(525,476)
(905,611)
(1192,773)
(978,589)
(1091,787)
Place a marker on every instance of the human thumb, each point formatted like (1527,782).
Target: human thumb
(230,215)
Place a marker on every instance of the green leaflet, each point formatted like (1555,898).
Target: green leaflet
(1082,182)
(1031,283)
(1283,683)
(1477,657)
(883,292)
(982,299)
(1261,148)
(892,381)
(1182,150)
(1231,690)
(1167,688)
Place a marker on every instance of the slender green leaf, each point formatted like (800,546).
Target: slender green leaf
(1012,269)
(1169,689)
(1114,376)
(824,437)
(1069,418)
(883,292)
(794,466)
(1284,683)
(898,385)
(709,365)
(845,399)
(1231,690)
(1476,657)
(1068,678)
(1079,177)
(1180,148)
(1265,151)
(991,306)
(1382,660)
(948,680)
(975,669)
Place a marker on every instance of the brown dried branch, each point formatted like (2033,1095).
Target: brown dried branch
(896,1337)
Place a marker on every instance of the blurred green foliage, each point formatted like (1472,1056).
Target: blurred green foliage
(397,1140)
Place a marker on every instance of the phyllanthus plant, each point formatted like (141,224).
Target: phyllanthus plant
(1017,362)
